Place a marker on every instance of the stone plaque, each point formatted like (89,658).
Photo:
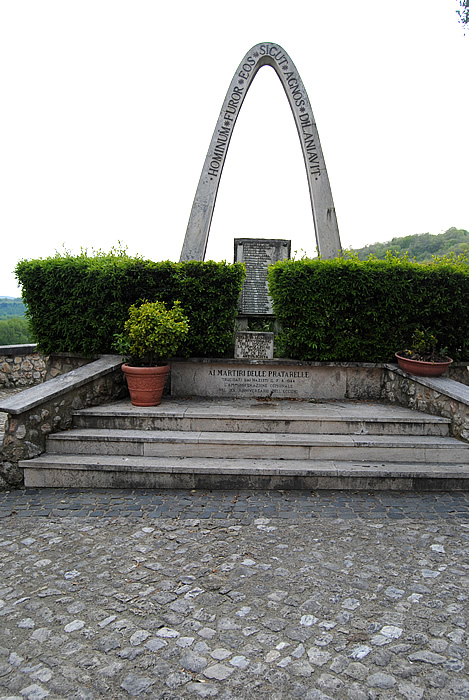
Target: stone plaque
(254,345)
(257,254)
(264,378)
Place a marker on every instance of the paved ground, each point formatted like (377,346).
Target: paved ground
(179,594)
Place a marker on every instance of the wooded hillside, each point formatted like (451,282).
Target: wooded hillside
(13,324)
(421,246)
(10,308)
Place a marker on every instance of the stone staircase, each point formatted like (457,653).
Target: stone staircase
(249,443)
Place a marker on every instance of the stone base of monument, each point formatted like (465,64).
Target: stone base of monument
(247,444)
(268,424)
(283,379)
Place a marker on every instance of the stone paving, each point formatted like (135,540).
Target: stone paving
(180,594)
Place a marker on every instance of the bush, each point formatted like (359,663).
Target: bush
(152,333)
(78,303)
(344,309)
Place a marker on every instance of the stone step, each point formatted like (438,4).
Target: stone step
(243,416)
(228,445)
(108,471)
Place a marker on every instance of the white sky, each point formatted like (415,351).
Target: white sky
(108,108)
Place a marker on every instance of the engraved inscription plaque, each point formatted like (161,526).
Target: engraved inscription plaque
(257,254)
(254,345)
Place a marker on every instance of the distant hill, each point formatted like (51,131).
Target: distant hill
(13,325)
(421,246)
(11,307)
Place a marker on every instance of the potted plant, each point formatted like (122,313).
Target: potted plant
(423,359)
(152,334)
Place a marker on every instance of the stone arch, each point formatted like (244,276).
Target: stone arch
(324,217)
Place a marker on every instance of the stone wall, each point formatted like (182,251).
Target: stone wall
(459,371)
(438,396)
(40,410)
(63,362)
(21,366)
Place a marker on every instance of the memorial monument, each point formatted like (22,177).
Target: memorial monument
(324,217)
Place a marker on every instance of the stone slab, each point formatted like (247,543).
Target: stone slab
(36,395)
(254,345)
(144,472)
(232,378)
(257,254)
(24,349)
(252,415)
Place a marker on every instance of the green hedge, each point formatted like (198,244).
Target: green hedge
(77,303)
(364,311)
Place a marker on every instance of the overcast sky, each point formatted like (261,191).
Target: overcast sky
(108,108)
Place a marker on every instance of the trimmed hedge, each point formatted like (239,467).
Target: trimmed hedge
(77,303)
(344,309)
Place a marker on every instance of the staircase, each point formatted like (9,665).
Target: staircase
(249,444)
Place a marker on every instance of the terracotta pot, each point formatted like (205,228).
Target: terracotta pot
(145,384)
(421,368)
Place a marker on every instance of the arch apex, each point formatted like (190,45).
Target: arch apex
(324,216)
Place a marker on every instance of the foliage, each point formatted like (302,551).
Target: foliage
(261,325)
(78,303)
(10,308)
(345,309)
(424,347)
(421,246)
(14,331)
(152,333)
(463,12)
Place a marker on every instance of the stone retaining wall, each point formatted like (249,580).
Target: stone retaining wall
(438,396)
(21,366)
(40,410)
(63,362)
(459,371)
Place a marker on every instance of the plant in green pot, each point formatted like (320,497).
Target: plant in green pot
(152,334)
(423,358)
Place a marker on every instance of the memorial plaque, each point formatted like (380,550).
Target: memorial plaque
(254,345)
(257,254)
(242,380)
(282,379)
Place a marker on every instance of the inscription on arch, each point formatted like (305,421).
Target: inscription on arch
(324,217)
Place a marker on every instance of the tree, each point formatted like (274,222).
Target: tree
(14,331)
(464,12)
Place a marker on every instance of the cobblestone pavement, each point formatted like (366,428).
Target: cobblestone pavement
(180,594)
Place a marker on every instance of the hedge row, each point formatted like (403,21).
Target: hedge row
(347,310)
(77,303)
